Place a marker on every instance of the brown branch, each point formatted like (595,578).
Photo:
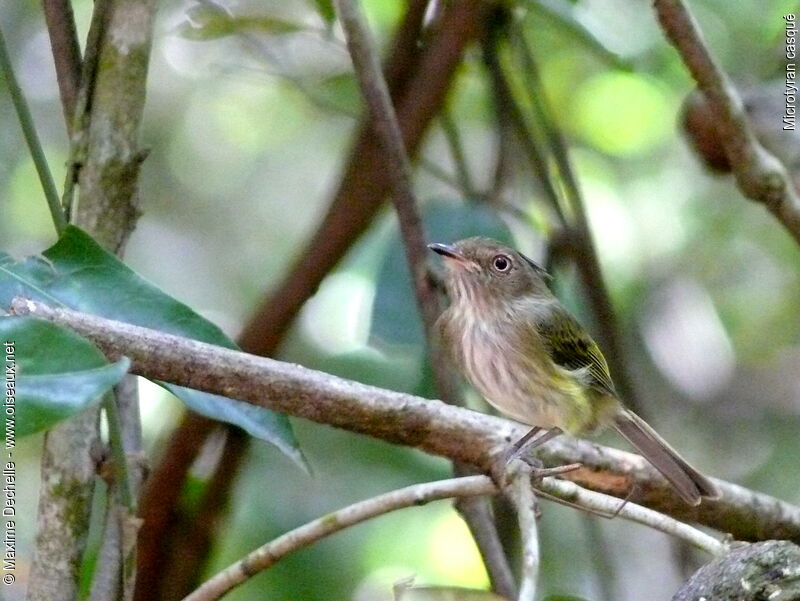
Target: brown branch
(431,426)
(419,91)
(760,176)
(68,461)
(398,167)
(419,78)
(108,173)
(158,508)
(766,570)
(272,552)
(66,53)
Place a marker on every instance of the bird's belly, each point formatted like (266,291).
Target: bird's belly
(516,385)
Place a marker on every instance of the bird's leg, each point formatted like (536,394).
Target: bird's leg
(529,442)
(505,463)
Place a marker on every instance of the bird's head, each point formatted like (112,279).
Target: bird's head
(484,271)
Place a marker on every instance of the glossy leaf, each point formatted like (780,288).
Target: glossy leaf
(52,372)
(77,273)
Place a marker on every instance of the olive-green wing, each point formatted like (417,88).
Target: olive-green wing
(572,348)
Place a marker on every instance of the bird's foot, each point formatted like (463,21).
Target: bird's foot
(507,465)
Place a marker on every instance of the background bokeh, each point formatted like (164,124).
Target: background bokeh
(248,133)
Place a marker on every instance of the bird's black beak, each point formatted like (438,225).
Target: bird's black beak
(448,251)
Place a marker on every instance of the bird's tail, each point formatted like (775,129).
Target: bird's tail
(688,482)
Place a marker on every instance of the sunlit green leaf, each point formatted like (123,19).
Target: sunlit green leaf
(76,272)
(51,374)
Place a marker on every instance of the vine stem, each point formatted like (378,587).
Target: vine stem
(32,139)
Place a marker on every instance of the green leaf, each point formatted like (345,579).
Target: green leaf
(325,10)
(395,317)
(77,273)
(55,373)
(208,21)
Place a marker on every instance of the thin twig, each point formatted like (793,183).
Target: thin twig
(760,176)
(269,554)
(32,139)
(398,166)
(434,427)
(66,53)
(115,570)
(584,252)
(426,69)
(598,502)
(521,495)
(456,145)
(121,476)
(477,513)
(508,109)
(79,118)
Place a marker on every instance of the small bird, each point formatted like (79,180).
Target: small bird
(532,360)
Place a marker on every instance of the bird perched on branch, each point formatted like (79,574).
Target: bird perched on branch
(532,360)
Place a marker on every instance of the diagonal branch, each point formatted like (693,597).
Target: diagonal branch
(272,552)
(66,53)
(384,121)
(419,77)
(431,426)
(419,81)
(760,176)
(397,164)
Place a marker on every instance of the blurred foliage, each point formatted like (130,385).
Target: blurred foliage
(249,117)
(78,273)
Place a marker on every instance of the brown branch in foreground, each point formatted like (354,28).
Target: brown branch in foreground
(272,552)
(66,53)
(431,426)
(760,176)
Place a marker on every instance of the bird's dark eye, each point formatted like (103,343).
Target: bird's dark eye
(501,263)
